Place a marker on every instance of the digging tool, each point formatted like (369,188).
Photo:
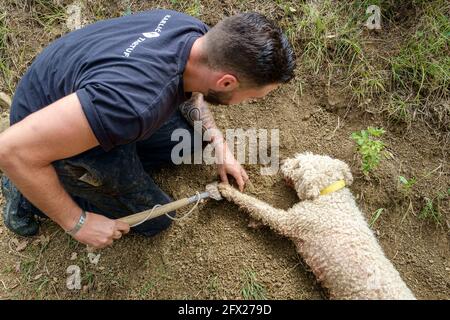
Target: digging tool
(211,191)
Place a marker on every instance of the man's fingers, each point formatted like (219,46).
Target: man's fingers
(239,181)
(122,227)
(223,176)
(102,245)
(117,235)
(244,175)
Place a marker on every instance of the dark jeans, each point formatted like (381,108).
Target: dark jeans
(117,183)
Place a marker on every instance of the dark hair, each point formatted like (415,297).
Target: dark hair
(252,47)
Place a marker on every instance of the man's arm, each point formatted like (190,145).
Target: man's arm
(196,109)
(27,150)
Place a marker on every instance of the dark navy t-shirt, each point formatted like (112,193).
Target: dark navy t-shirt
(127,73)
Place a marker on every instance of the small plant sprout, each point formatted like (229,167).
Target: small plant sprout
(407,184)
(370,149)
(375,216)
(431,211)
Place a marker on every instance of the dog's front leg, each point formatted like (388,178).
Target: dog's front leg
(277,219)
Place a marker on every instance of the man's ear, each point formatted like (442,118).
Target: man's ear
(227,82)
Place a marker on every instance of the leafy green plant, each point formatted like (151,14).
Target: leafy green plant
(369,148)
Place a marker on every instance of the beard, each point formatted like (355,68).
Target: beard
(216,97)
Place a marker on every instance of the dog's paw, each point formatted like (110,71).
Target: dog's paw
(225,189)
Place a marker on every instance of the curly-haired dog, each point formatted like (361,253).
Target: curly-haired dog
(329,230)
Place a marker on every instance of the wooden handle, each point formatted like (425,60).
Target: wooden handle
(148,214)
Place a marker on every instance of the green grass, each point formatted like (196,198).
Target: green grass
(148,286)
(423,64)
(88,278)
(99,10)
(329,37)
(41,285)
(5,60)
(71,243)
(194,8)
(375,216)
(49,14)
(28,267)
(408,79)
(214,285)
(433,208)
(431,211)
(252,289)
(421,69)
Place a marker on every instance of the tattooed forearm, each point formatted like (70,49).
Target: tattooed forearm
(196,109)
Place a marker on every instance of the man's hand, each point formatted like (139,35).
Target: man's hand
(99,231)
(227,164)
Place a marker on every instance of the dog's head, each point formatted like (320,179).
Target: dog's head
(309,173)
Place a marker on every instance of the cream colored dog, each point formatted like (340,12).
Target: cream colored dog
(329,230)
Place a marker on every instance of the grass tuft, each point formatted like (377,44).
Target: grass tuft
(252,289)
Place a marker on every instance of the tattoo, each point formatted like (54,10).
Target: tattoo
(196,109)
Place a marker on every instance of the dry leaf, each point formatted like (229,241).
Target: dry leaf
(38,276)
(42,239)
(22,245)
(19,245)
(14,286)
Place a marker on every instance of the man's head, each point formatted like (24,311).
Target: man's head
(248,55)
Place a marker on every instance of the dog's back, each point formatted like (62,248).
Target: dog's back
(336,242)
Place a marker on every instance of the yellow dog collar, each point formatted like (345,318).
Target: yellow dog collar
(338,185)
